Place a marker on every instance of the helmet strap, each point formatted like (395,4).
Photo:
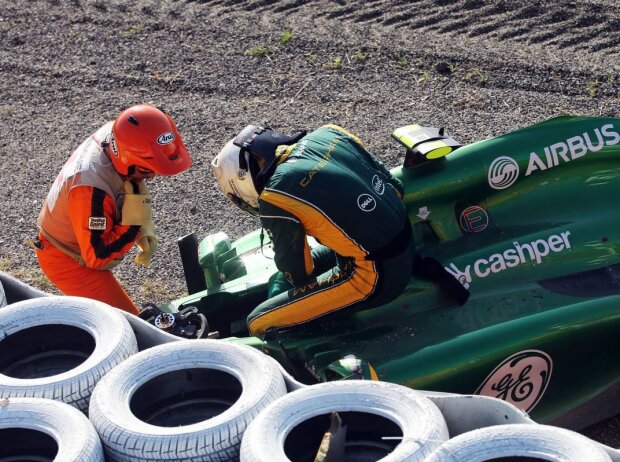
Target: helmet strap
(261,143)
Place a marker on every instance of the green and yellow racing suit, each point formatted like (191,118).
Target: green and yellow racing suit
(330,187)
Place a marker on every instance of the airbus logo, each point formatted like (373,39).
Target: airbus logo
(503,172)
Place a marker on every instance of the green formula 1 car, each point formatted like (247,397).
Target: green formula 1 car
(527,222)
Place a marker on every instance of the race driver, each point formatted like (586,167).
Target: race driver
(324,184)
(99,205)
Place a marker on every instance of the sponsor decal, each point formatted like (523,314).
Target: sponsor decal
(378,185)
(501,174)
(233,186)
(312,371)
(113,145)
(366,202)
(424,212)
(474,219)
(303,289)
(97,223)
(305,181)
(165,138)
(519,253)
(521,379)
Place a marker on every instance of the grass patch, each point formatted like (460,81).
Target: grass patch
(476,76)
(336,63)
(31,276)
(424,76)
(260,51)
(400,60)
(593,87)
(285,37)
(360,56)
(135,29)
(5,264)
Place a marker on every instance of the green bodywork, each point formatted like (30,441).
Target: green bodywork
(538,249)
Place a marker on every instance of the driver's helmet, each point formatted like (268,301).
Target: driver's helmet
(235,172)
(145,138)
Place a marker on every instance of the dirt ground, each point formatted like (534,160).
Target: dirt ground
(478,68)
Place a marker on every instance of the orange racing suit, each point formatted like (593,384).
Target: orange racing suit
(80,233)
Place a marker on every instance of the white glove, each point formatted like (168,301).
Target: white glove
(147,244)
(136,208)
(140,212)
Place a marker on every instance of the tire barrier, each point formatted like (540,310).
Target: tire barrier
(159,403)
(464,413)
(60,347)
(3,301)
(384,422)
(45,430)
(185,400)
(542,442)
(16,290)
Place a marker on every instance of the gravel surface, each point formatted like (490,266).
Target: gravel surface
(479,68)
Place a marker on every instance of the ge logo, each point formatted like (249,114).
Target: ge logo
(503,172)
(521,379)
(366,202)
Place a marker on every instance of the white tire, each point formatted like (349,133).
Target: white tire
(406,426)
(16,290)
(60,347)
(189,400)
(542,442)
(3,301)
(43,429)
(464,413)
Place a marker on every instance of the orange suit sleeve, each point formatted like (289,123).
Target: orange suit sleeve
(93,218)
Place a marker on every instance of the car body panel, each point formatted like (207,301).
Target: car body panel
(527,222)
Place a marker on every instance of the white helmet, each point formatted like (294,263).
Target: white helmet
(232,172)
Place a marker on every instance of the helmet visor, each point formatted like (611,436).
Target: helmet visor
(243,205)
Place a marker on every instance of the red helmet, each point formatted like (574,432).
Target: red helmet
(146,137)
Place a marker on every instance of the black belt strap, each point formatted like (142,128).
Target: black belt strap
(424,267)
(429,268)
(395,247)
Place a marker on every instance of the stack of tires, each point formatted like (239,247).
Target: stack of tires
(65,358)
(53,351)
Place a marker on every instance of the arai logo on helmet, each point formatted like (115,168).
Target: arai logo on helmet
(113,145)
(165,138)
(366,202)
